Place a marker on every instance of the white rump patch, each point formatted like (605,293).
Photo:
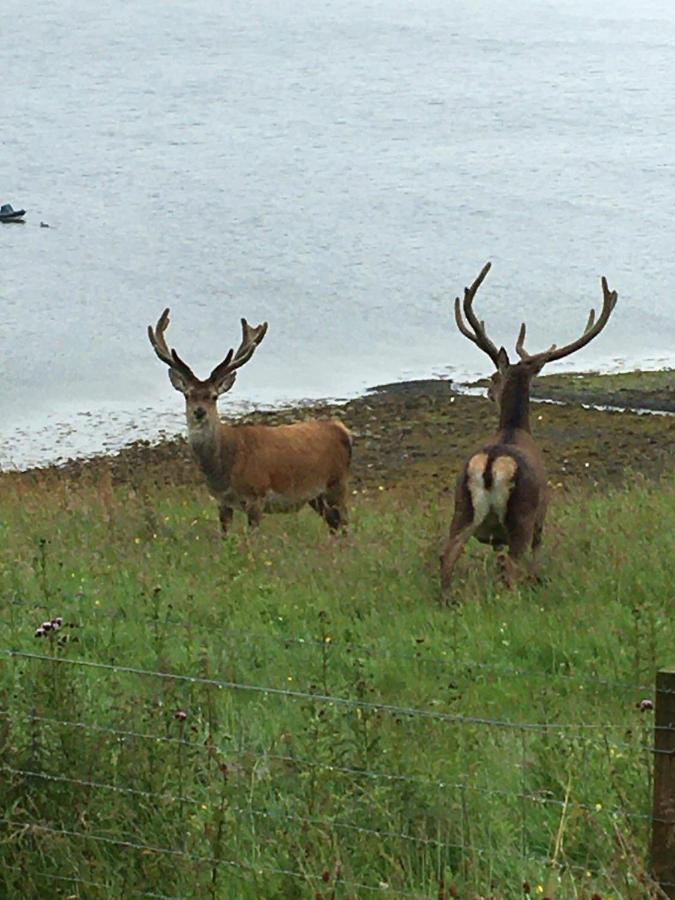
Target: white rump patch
(491,500)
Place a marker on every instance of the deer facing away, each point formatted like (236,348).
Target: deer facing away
(258,468)
(501,494)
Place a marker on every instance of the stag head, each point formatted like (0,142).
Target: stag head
(529,365)
(201,396)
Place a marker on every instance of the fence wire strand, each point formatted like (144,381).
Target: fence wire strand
(365,650)
(326,823)
(193,857)
(412,712)
(549,864)
(160,738)
(73,879)
(250,868)
(533,797)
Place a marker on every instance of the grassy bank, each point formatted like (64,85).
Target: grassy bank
(289,715)
(413,780)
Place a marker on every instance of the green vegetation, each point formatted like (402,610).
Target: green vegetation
(637,390)
(402,789)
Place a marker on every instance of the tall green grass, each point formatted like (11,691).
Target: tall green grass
(413,780)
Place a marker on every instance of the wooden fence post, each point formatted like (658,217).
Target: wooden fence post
(663,806)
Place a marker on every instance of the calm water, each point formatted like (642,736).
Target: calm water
(339,168)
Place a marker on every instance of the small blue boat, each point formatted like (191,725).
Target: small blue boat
(9,214)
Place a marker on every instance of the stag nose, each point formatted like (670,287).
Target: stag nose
(200,412)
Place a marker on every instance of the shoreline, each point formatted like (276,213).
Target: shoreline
(64,435)
(415,434)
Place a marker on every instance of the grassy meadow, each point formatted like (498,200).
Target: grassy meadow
(286,714)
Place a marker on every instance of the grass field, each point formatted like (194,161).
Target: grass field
(320,726)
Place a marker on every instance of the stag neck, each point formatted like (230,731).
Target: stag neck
(214,450)
(514,406)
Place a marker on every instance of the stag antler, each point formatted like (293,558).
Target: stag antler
(591,330)
(170,357)
(478,334)
(252,335)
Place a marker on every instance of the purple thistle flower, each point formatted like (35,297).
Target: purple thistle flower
(40,632)
(180,715)
(645,705)
(47,626)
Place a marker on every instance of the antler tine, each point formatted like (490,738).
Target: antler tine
(478,335)
(252,335)
(159,345)
(520,345)
(157,339)
(520,348)
(592,330)
(461,323)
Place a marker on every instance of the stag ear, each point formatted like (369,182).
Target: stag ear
(502,360)
(178,381)
(223,383)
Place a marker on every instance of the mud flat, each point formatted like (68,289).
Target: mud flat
(414,435)
(632,390)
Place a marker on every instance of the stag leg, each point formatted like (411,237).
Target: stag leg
(536,536)
(461,529)
(225,514)
(536,548)
(318,504)
(328,513)
(335,507)
(254,514)
(451,553)
(521,538)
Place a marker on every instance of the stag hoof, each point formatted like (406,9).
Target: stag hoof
(447,598)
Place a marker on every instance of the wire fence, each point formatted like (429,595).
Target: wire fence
(318,697)
(125,734)
(617,821)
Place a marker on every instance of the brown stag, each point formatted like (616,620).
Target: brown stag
(501,494)
(258,468)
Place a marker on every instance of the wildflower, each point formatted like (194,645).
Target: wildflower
(46,626)
(526,887)
(57,623)
(325,875)
(40,632)
(645,705)
(180,715)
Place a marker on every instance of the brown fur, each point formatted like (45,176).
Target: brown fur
(510,457)
(502,494)
(258,468)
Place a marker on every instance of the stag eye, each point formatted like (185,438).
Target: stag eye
(214,396)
